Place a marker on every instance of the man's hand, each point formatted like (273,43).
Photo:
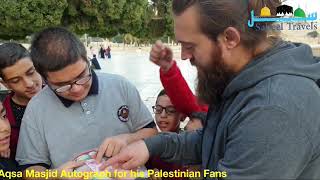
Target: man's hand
(162,56)
(130,157)
(112,146)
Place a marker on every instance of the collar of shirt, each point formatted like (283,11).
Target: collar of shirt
(93,91)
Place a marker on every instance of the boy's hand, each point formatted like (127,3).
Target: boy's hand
(112,146)
(131,157)
(5,154)
(162,56)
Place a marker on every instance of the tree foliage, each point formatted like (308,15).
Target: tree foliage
(20,18)
(164,16)
(98,18)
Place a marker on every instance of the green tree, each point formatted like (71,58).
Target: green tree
(21,18)
(132,16)
(97,18)
(104,18)
(144,33)
(118,38)
(162,21)
(92,16)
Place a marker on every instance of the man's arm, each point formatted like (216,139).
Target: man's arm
(141,134)
(183,148)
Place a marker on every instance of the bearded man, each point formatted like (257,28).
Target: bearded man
(264,118)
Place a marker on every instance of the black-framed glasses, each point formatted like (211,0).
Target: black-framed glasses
(81,81)
(170,110)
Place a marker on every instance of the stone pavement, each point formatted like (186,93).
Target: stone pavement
(136,67)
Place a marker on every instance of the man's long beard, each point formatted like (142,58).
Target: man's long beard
(213,80)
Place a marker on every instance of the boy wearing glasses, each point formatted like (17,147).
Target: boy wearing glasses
(80,110)
(168,120)
(167,117)
(177,88)
(18,74)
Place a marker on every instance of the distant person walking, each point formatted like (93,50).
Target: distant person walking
(108,52)
(102,52)
(95,63)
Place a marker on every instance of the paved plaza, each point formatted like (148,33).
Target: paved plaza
(137,68)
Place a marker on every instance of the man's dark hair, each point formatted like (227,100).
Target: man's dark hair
(10,53)
(217,15)
(55,48)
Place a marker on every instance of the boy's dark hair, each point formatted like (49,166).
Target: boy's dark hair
(10,53)
(161,93)
(55,48)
